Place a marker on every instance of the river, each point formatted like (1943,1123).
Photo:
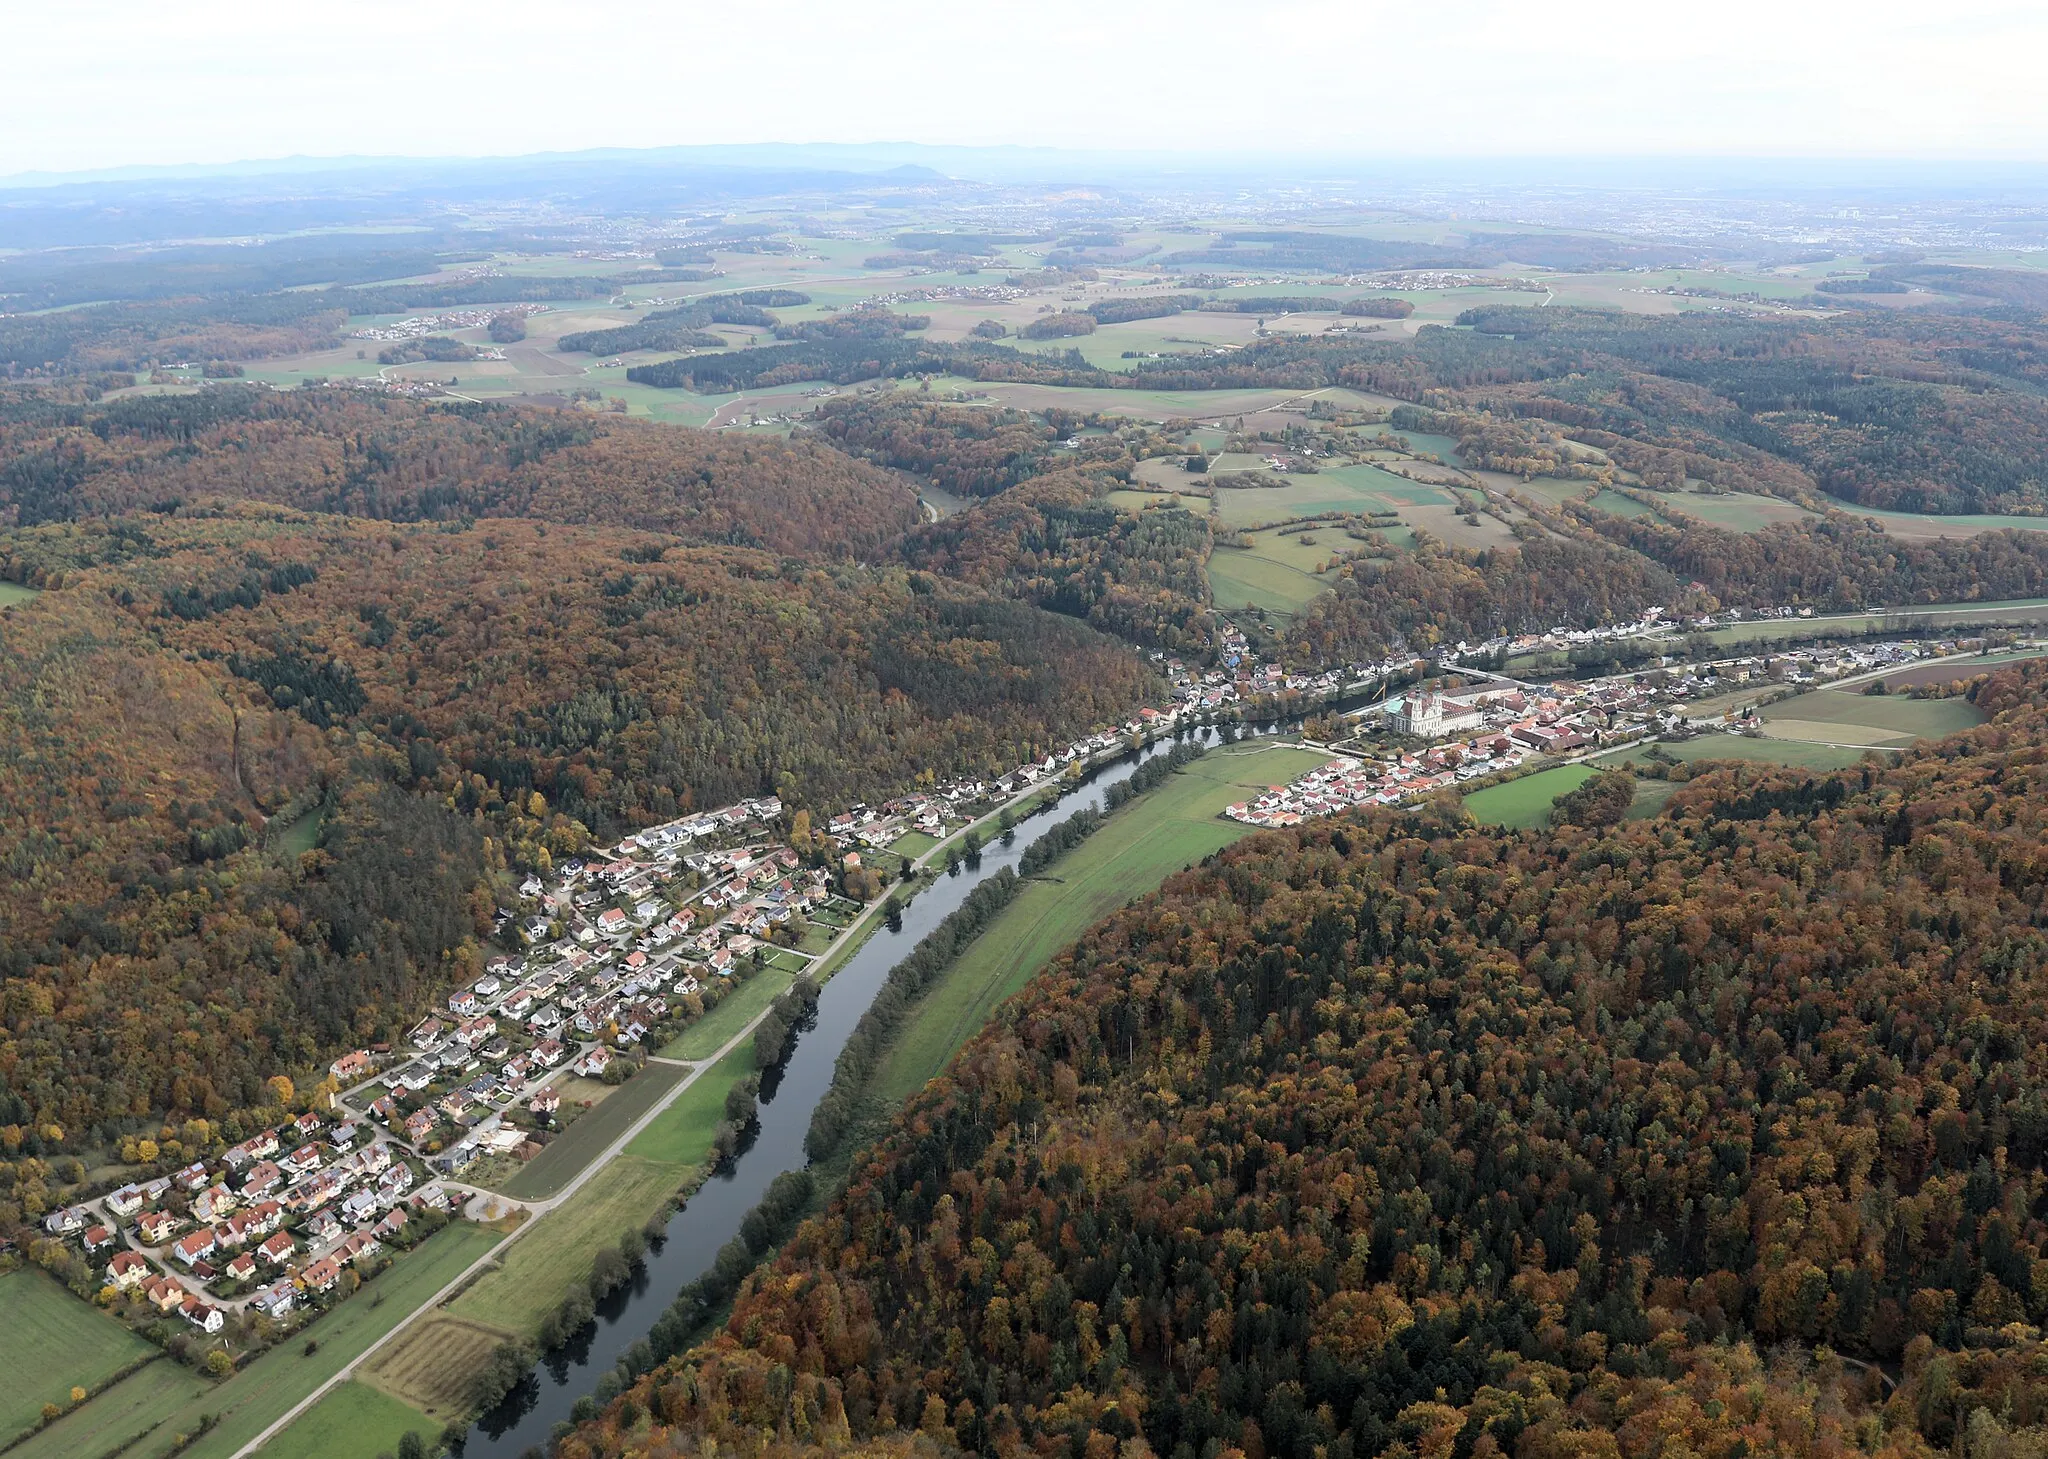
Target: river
(528,1415)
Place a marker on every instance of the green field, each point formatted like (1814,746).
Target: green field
(300,836)
(1125,499)
(681,1134)
(1617,505)
(1849,717)
(11,593)
(1740,747)
(1156,835)
(1922,525)
(52,1342)
(354,1421)
(587,1137)
(267,1387)
(542,1265)
(1241,578)
(709,1034)
(1737,511)
(913,844)
(1524,802)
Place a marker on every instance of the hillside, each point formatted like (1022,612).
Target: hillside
(465,699)
(397,460)
(1394,1136)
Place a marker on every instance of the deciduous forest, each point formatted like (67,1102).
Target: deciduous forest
(1711,1133)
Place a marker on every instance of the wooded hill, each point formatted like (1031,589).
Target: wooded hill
(1396,1136)
(466,697)
(368,455)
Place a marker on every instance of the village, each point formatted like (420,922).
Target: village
(1440,739)
(624,947)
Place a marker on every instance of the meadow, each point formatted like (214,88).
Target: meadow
(52,1342)
(1154,836)
(147,1422)
(1851,717)
(539,1268)
(568,1153)
(353,1418)
(709,1034)
(12,593)
(681,1134)
(1525,802)
(1281,572)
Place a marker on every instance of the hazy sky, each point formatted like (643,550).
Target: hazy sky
(96,83)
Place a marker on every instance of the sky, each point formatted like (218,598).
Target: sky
(107,83)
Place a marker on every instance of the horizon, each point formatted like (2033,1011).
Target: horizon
(1822,80)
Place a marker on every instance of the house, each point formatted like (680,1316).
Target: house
(306,1126)
(278,1249)
(393,1222)
(350,1067)
(156,1227)
(344,1135)
(196,1247)
(242,1267)
(593,1064)
(428,1034)
(191,1178)
(611,922)
(203,1314)
(548,1053)
(97,1239)
(264,1177)
(213,1203)
(275,1300)
(125,1202)
(322,1228)
(164,1294)
(546,1102)
(127,1271)
(303,1159)
(322,1275)
(419,1124)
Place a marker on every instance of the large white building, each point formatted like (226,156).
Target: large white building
(1429,715)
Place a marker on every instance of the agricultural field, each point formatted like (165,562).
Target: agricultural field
(541,1266)
(1735,511)
(1851,717)
(1156,835)
(1799,753)
(353,1418)
(51,1343)
(146,1422)
(1521,803)
(1283,571)
(1947,671)
(709,1034)
(585,1139)
(430,1367)
(681,1134)
(1920,527)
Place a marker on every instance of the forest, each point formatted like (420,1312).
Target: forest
(1393,1135)
(472,639)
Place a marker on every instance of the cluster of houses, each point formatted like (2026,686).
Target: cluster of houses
(281,1221)
(421,325)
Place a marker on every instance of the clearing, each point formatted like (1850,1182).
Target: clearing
(1851,717)
(51,1343)
(1525,802)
